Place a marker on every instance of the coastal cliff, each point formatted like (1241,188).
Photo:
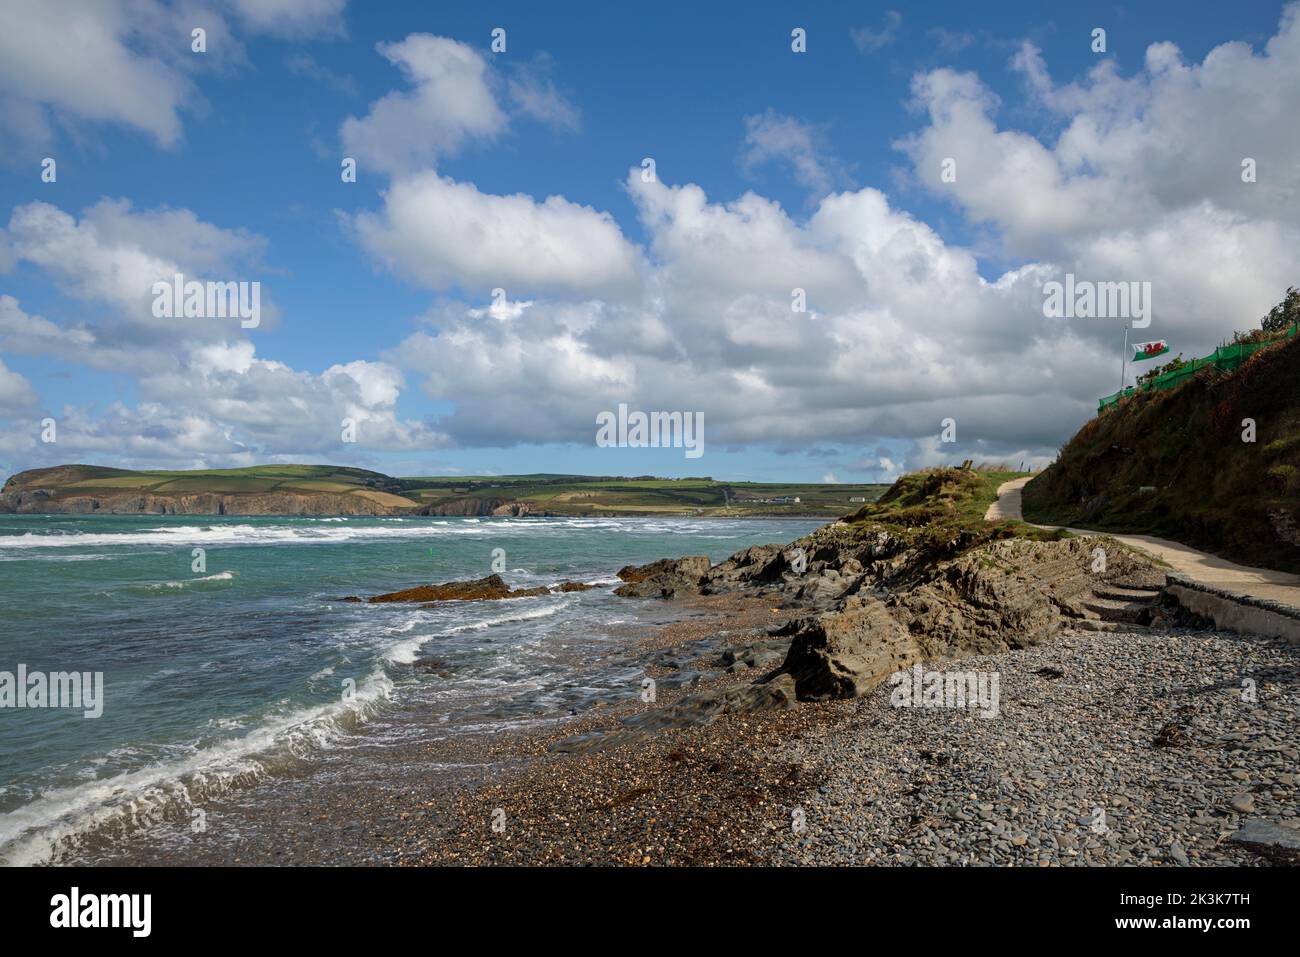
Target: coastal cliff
(341,490)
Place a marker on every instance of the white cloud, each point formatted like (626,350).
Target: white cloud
(79,60)
(16,392)
(457,96)
(115,254)
(202,387)
(67,66)
(441,234)
(1144,180)
(903,333)
(450,103)
(902,329)
(773,137)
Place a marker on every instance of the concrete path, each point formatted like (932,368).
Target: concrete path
(1199,566)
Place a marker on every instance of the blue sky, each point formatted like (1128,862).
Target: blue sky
(248,139)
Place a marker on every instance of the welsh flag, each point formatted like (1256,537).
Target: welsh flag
(1149,350)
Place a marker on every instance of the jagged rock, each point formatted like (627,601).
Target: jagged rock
(666,578)
(759,655)
(820,592)
(694,566)
(481,589)
(1006,595)
(754,565)
(575,586)
(845,654)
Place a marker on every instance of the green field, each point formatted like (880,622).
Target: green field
(543,493)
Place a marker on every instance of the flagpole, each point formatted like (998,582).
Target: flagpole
(1123,361)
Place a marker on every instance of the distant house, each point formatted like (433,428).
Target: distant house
(858,498)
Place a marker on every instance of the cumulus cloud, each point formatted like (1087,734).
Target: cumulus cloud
(68,65)
(79,61)
(456,97)
(1144,181)
(902,332)
(215,402)
(203,390)
(16,392)
(450,102)
(902,328)
(114,254)
(442,233)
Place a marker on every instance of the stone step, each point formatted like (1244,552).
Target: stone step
(1111,609)
(1126,593)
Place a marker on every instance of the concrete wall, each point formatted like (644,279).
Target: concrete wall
(1231,611)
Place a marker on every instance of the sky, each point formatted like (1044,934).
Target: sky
(618,207)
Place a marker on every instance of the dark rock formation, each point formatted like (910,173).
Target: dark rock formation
(666,578)
(881,602)
(481,589)
(1011,594)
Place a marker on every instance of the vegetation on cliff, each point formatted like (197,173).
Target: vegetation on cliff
(941,511)
(1213,463)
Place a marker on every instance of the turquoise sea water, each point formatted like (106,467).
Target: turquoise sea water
(212,676)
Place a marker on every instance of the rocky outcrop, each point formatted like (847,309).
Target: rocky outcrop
(1011,594)
(845,654)
(880,602)
(666,578)
(491,588)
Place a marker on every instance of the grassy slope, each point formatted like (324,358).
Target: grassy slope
(576,494)
(69,481)
(943,510)
(1212,490)
(563,494)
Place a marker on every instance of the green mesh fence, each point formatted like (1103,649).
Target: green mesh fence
(1224,358)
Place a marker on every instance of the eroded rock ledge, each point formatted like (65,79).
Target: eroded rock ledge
(491,588)
(878,604)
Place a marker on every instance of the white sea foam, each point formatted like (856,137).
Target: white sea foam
(333,530)
(406,651)
(187,582)
(36,832)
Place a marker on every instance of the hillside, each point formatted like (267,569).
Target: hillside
(334,490)
(1174,464)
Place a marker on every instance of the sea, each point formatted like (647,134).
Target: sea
(226,656)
